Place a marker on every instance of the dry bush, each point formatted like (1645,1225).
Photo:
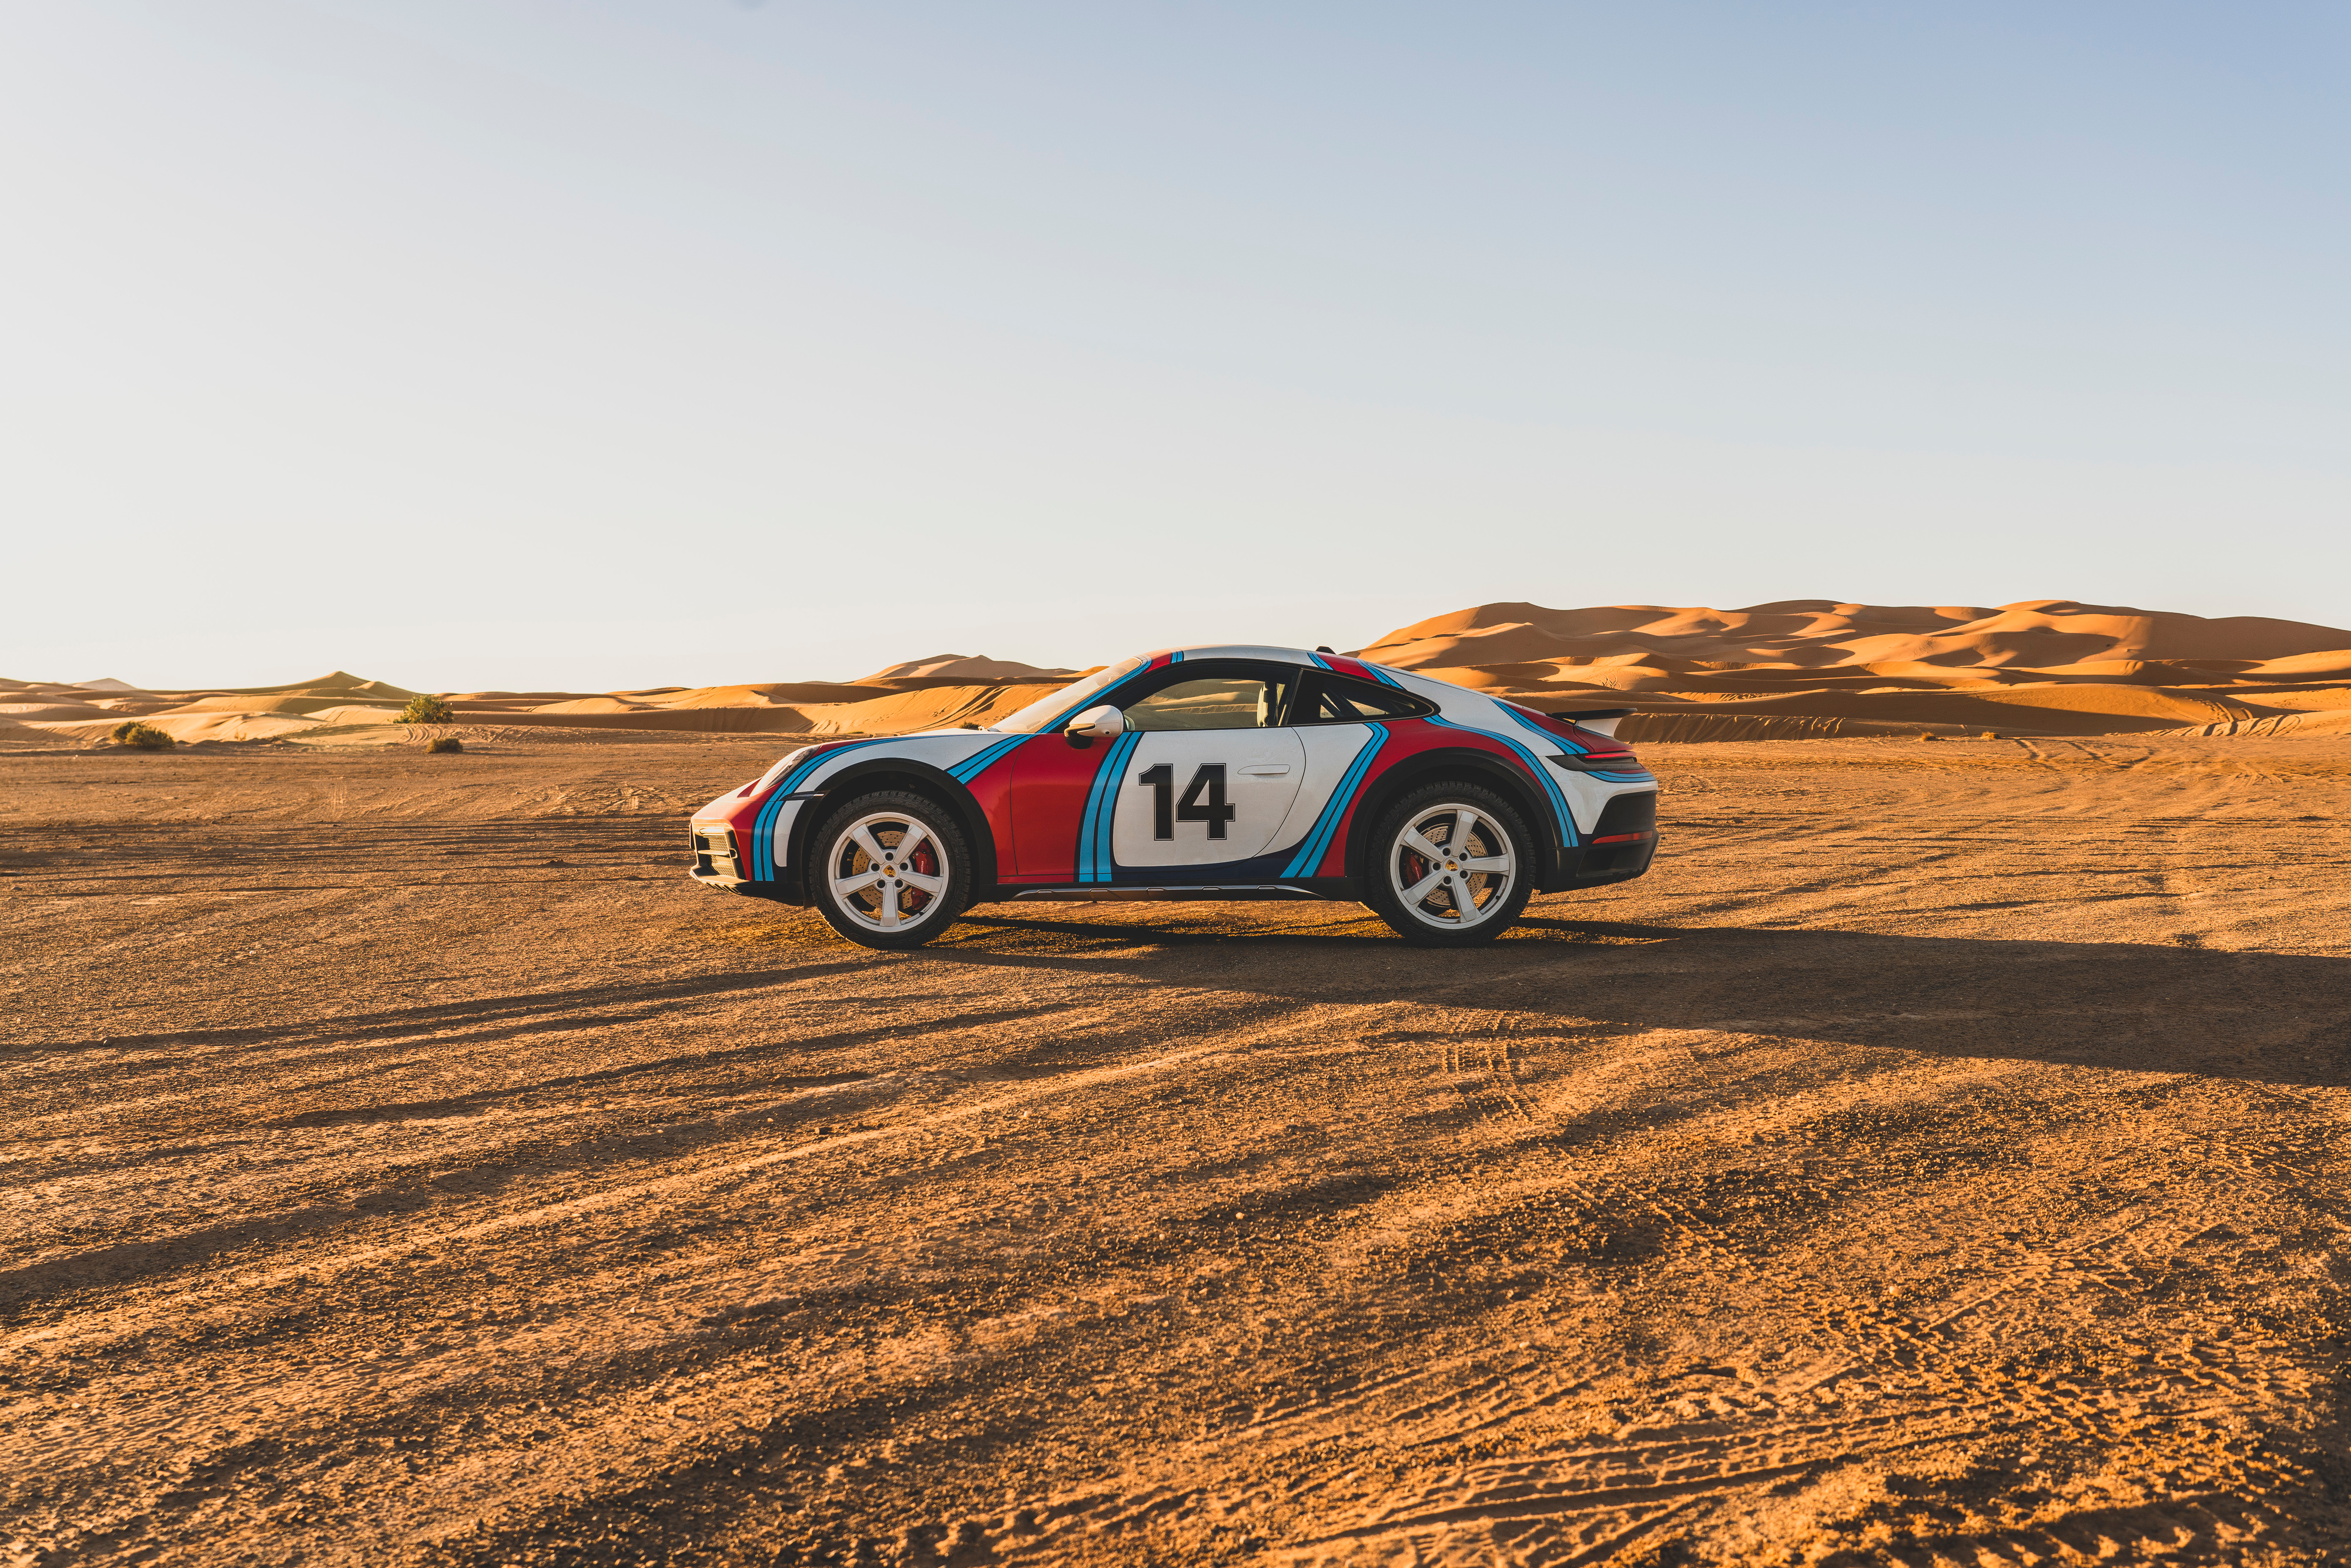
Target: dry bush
(427,710)
(139,737)
(444,743)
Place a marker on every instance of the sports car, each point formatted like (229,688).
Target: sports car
(1207,773)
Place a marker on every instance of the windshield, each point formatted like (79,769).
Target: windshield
(1038,715)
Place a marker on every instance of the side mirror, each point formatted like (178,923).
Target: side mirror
(1104,721)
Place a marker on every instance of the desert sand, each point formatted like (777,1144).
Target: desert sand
(1939,1157)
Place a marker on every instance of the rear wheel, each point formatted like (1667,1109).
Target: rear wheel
(1451,865)
(889,869)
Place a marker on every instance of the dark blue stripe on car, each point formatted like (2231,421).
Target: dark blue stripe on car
(1549,736)
(763,826)
(1318,837)
(1535,770)
(1095,860)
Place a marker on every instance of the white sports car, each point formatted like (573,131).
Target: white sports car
(1214,773)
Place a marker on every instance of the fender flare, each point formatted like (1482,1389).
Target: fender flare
(1456,762)
(876,773)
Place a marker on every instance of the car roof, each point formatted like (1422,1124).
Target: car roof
(1237,651)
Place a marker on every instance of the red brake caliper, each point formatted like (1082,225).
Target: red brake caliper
(927,863)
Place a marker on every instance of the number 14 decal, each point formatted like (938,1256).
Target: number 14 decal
(1166,810)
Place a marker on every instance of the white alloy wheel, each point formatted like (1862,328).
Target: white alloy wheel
(889,873)
(1452,865)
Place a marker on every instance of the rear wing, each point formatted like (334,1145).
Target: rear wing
(1598,720)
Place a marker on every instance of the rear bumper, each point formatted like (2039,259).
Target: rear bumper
(1622,844)
(1613,858)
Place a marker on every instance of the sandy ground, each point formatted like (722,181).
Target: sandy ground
(1938,1157)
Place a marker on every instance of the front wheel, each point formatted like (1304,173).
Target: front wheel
(889,869)
(1451,865)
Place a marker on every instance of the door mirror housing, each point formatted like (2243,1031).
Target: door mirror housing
(1104,721)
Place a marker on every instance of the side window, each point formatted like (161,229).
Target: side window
(1211,702)
(1343,699)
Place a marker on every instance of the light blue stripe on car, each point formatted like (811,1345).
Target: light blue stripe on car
(763,826)
(1095,860)
(980,761)
(1534,767)
(1318,838)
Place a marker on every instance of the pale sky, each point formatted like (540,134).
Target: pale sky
(602,345)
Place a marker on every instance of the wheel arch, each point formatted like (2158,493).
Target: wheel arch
(1480,768)
(874,774)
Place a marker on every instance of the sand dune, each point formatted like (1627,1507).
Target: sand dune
(962,667)
(1801,669)
(190,727)
(2037,667)
(1817,632)
(23,711)
(2336,721)
(777,694)
(14,735)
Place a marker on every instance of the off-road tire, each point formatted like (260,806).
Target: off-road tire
(1390,858)
(837,857)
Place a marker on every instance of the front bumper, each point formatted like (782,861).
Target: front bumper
(717,857)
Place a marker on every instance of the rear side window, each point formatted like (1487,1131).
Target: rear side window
(1342,699)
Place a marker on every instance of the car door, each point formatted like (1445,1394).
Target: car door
(1210,772)
(1202,777)
(1203,798)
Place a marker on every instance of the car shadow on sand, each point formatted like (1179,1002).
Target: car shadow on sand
(2276,1017)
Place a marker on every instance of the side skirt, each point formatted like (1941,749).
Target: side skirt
(1098,893)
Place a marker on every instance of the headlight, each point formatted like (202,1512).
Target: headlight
(780,768)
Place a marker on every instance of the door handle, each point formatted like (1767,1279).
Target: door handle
(1263,770)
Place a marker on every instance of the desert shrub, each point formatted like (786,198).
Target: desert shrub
(444,743)
(144,737)
(427,710)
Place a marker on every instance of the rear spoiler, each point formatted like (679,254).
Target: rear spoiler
(1598,720)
